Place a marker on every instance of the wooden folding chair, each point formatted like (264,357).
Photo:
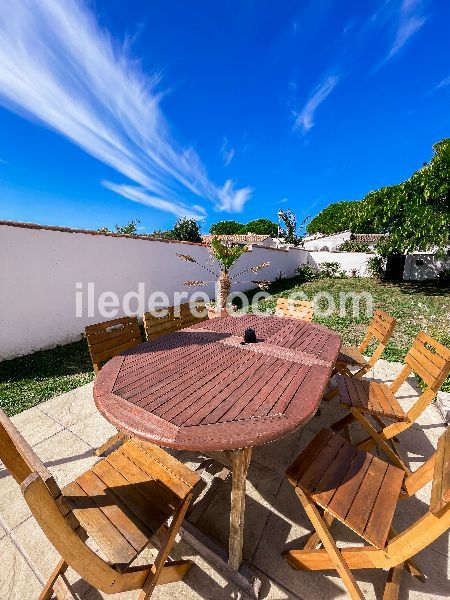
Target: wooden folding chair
(123,504)
(296,309)
(172,318)
(106,340)
(380,330)
(365,398)
(335,480)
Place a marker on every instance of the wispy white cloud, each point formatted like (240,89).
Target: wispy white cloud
(232,200)
(284,200)
(305,119)
(410,21)
(442,84)
(227,152)
(140,195)
(59,68)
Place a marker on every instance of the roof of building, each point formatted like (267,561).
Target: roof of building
(248,238)
(366,238)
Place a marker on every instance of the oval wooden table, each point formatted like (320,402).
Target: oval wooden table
(202,389)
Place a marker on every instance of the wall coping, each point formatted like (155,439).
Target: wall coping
(57,228)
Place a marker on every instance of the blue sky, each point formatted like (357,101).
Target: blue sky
(153,109)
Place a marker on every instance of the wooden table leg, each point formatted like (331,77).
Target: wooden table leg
(240,460)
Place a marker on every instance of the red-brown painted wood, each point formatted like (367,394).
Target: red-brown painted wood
(201,389)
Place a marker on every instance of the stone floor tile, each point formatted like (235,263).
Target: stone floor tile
(93,429)
(277,455)
(202,581)
(35,425)
(330,412)
(287,527)
(262,487)
(13,508)
(271,590)
(66,456)
(17,580)
(72,406)
(31,538)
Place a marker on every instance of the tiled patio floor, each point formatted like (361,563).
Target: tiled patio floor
(65,430)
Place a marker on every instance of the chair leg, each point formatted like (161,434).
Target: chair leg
(119,436)
(47,592)
(380,440)
(314,539)
(330,395)
(166,547)
(392,586)
(330,545)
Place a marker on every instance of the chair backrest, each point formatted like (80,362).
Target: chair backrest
(172,318)
(110,338)
(380,327)
(296,309)
(50,508)
(430,360)
(440,491)
(19,458)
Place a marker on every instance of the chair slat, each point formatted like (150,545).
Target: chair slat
(177,317)
(110,338)
(296,309)
(432,364)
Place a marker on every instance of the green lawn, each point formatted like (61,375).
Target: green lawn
(416,306)
(29,380)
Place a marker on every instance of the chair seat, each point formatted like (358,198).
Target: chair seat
(351,356)
(369,397)
(357,488)
(126,498)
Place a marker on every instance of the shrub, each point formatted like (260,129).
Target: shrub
(305,273)
(376,267)
(351,246)
(329,270)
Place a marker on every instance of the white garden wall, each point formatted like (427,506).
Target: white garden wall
(43,268)
(349,261)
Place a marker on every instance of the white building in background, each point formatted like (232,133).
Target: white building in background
(424,265)
(325,243)
(330,243)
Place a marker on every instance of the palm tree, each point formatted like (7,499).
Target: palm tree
(226,255)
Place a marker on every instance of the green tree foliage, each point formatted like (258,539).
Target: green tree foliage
(352,246)
(261,227)
(258,226)
(186,230)
(226,228)
(414,214)
(129,229)
(161,234)
(333,219)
